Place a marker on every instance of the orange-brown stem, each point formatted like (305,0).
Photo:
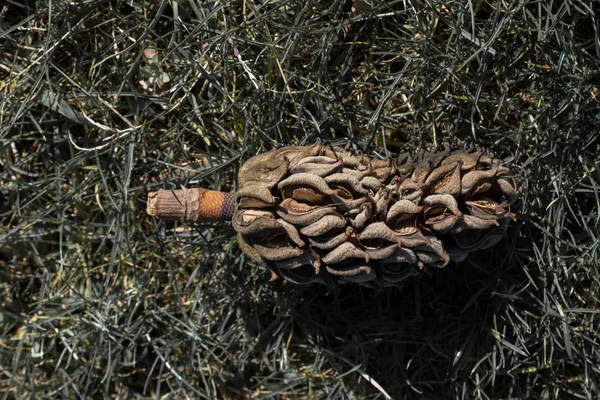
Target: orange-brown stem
(191,205)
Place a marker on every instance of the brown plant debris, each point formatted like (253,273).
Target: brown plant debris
(322,214)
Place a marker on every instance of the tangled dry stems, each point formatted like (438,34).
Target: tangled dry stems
(99,300)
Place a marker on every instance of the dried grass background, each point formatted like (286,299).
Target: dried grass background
(102,101)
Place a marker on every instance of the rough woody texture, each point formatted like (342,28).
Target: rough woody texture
(191,205)
(321,214)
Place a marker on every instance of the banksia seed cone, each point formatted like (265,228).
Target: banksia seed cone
(320,214)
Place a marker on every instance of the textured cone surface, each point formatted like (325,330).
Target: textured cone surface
(321,214)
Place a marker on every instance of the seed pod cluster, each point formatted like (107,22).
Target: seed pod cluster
(322,214)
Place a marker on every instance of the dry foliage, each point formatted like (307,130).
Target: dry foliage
(104,101)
